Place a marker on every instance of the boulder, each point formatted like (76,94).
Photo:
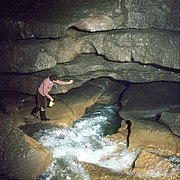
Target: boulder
(150,136)
(21,157)
(157,149)
(149,100)
(155,166)
(172,120)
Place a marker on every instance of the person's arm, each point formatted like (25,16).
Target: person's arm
(64,82)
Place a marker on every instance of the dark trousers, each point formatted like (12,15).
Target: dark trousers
(40,105)
(41,101)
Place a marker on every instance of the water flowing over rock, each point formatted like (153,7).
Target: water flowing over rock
(124,51)
(149,163)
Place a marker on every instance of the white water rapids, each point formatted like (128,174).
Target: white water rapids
(85,142)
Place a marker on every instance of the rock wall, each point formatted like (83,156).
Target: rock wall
(136,41)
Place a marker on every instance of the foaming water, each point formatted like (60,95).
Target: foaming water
(85,142)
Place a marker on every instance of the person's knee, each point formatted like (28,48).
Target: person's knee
(42,108)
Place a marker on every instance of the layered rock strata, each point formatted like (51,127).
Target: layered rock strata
(130,41)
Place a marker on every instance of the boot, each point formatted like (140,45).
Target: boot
(43,116)
(34,111)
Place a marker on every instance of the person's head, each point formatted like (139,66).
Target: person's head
(53,77)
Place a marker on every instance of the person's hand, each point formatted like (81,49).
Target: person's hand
(71,81)
(51,104)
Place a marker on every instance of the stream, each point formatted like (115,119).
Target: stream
(85,142)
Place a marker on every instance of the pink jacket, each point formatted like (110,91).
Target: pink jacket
(47,85)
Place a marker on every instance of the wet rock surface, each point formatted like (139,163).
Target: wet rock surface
(157,147)
(20,154)
(151,135)
(149,163)
(153,139)
(21,157)
(107,48)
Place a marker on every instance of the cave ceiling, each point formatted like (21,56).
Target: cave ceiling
(129,40)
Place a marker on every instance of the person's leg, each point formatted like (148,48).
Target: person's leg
(43,115)
(35,111)
(41,100)
(36,108)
